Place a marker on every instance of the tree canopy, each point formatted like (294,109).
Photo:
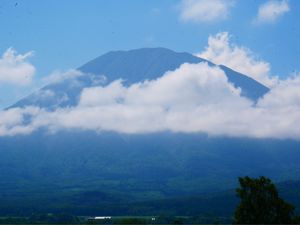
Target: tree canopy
(261,204)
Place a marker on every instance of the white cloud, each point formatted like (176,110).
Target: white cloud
(59,76)
(221,52)
(99,95)
(172,102)
(272,10)
(193,98)
(204,10)
(15,68)
(12,121)
(286,93)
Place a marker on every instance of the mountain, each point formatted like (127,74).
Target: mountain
(89,173)
(132,66)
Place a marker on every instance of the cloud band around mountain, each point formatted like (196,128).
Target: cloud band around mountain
(194,98)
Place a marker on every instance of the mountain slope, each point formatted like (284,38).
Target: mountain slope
(142,166)
(132,66)
(98,174)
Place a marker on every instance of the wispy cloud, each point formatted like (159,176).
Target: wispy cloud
(202,11)
(58,76)
(15,68)
(271,11)
(222,52)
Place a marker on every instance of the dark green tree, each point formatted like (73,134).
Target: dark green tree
(261,204)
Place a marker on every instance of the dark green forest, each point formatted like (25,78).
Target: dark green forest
(167,175)
(219,207)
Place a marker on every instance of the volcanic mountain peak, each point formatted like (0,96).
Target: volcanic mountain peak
(132,66)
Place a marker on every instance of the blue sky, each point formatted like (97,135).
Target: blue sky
(66,34)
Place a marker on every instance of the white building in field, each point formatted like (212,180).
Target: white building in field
(102,218)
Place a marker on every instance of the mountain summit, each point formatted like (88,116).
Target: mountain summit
(131,66)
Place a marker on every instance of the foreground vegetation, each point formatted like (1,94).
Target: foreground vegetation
(259,203)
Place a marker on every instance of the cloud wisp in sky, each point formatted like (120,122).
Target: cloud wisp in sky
(271,11)
(221,52)
(15,68)
(203,11)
